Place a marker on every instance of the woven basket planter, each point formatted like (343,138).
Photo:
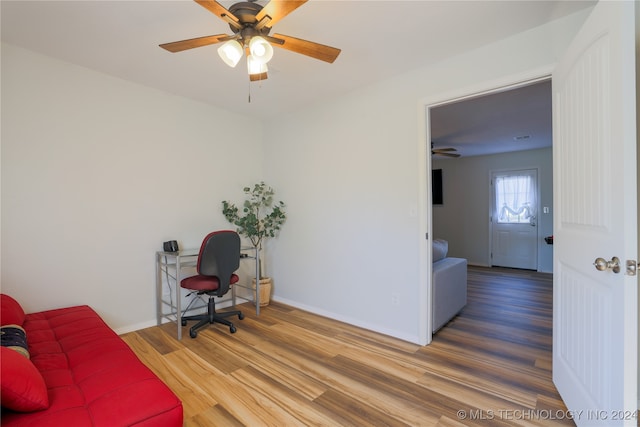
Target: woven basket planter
(265,290)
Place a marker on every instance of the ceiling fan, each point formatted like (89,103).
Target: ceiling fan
(251,24)
(446,152)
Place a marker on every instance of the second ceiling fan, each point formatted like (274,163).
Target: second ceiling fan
(251,24)
(446,152)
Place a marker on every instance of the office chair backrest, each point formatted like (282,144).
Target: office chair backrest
(220,256)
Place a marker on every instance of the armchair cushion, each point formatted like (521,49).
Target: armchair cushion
(440,249)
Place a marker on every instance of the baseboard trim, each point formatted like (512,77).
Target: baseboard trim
(312,309)
(150,323)
(349,320)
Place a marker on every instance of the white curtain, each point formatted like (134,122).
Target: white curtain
(516,198)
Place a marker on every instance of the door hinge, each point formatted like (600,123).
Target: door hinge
(632,267)
(426,236)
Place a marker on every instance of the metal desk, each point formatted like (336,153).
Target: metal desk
(170,265)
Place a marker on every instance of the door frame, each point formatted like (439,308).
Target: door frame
(425,209)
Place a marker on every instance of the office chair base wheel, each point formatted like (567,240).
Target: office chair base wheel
(240,316)
(232,329)
(193,334)
(183,322)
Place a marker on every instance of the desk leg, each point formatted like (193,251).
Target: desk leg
(178,299)
(158,289)
(257,298)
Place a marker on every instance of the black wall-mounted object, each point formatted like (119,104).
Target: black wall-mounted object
(436,186)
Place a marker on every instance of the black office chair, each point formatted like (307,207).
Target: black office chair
(219,257)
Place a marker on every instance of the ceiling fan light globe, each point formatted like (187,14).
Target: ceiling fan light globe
(260,49)
(230,53)
(255,67)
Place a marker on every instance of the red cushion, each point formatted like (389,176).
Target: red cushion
(23,388)
(204,283)
(11,313)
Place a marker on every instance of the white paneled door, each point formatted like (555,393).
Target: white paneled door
(595,199)
(514,220)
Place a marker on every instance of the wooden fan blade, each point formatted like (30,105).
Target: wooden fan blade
(444,149)
(192,43)
(437,153)
(220,11)
(257,77)
(304,47)
(278,9)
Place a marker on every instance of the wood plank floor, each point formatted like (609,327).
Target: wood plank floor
(491,365)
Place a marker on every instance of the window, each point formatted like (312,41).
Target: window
(515,194)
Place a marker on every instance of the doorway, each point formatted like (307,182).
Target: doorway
(466,202)
(495,133)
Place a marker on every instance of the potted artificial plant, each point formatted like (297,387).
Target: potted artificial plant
(260,218)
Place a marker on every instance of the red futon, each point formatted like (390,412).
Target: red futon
(66,367)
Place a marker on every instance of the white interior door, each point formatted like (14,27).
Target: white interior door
(595,200)
(514,220)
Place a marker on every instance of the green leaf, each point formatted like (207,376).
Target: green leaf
(261,218)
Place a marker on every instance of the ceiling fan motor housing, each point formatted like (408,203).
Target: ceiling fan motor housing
(246,13)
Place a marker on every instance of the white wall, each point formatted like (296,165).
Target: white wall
(463,219)
(96,173)
(350,172)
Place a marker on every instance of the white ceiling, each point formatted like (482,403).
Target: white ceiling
(513,120)
(378,39)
